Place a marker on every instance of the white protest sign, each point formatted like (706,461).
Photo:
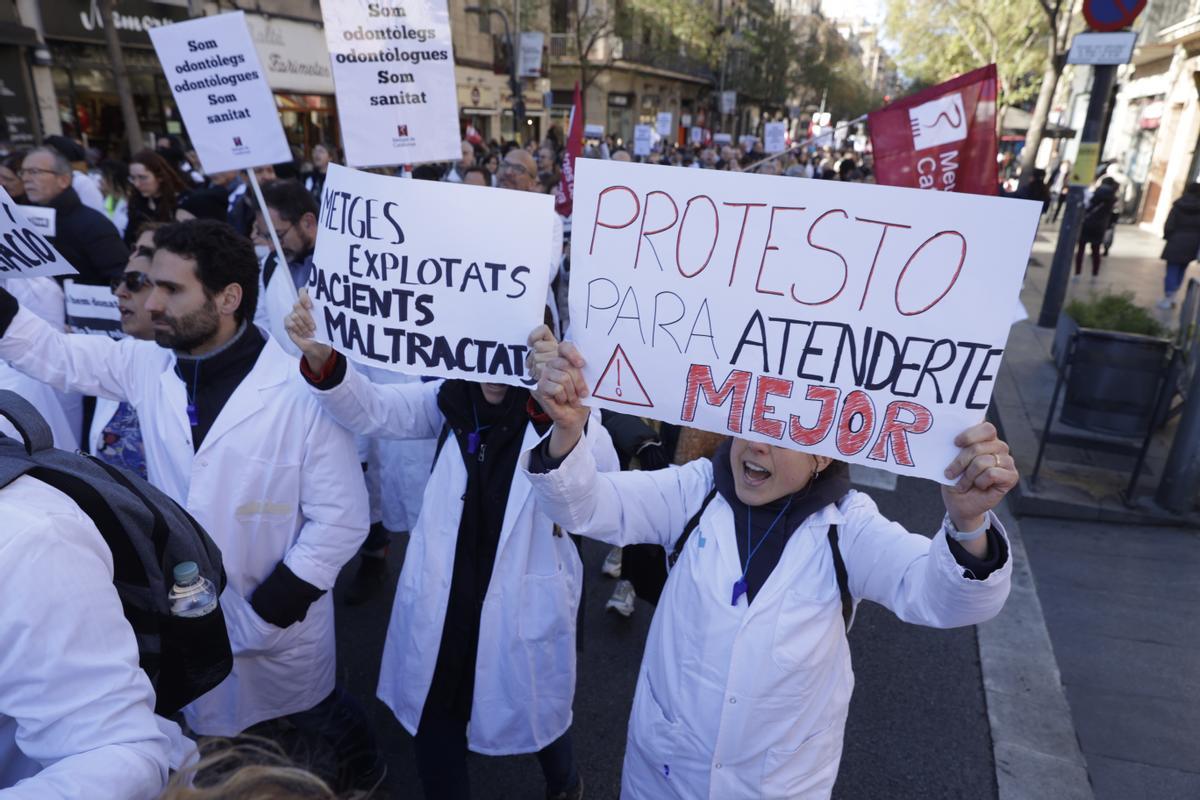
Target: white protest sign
(747,140)
(696,135)
(663,123)
(24,251)
(221,91)
(530,63)
(393,66)
(92,309)
(397,284)
(641,140)
(775,137)
(722,138)
(43,219)
(593,131)
(861,322)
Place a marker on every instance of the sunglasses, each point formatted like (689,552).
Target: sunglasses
(134,281)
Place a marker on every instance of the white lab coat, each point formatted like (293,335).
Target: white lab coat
(76,710)
(525,667)
(62,411)
(750,701)
(274,479)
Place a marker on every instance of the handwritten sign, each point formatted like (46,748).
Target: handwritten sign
(775,137)
(222,92)
(397,284)
(663,124)
(24,251)
(641,140)
(861,322)
(393,66)
(92,309)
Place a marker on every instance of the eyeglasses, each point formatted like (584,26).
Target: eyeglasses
(133,280)
(508,166)
(33,172)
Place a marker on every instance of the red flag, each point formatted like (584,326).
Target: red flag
(565,195)
(941,138)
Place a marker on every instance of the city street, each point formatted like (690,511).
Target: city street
(918,725)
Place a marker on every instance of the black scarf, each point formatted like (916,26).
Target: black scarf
(210,379)
(829,486)
(491,461)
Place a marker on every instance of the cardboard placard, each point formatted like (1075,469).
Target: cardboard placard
(861,322)
(397,285)
(92,309)
(43,218)
(775,137)
(221,91)
(641,140)
(24,251)
(393,66)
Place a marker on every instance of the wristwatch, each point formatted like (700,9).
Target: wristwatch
(965,536)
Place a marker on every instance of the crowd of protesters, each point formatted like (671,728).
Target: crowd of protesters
(295,460)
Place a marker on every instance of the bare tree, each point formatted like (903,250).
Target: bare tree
(594,23)
(133,129)
(1058,15)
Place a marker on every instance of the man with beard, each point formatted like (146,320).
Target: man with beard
(232,434)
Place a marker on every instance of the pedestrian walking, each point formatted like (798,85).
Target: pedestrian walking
(1060,187)
(746,681)
(1182,234)
(1097,219)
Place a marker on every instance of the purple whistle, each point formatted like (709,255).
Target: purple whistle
(739,589)
(193,417)
(472,442)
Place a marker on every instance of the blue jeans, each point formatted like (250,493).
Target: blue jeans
(1174,278)
(441,750)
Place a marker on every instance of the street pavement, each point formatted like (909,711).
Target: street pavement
(918,725)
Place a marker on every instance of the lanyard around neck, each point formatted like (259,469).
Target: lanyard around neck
(739,586)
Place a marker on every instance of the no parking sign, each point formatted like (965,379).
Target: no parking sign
(1111,15)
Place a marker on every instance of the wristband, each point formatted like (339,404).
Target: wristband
(964,536)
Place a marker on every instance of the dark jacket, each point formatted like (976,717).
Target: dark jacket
(141,212)
(1182,230)
(87,240)
(1098,216)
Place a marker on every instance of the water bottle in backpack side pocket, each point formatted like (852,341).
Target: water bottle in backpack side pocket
(192,595)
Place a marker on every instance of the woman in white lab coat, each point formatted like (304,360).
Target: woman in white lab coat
(749,698)
(481,641)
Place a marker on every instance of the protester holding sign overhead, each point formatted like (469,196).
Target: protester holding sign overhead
(231,433)
(480,651)
(746,681)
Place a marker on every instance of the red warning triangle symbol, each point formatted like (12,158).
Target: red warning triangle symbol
(620,384)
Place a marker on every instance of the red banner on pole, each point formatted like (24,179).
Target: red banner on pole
(941,138)
(564,195)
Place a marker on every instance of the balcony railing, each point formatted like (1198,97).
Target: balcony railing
(639,53)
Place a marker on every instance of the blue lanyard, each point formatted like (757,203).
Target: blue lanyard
(739,586)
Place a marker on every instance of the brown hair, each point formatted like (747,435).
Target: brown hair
(248,768)
(170,185)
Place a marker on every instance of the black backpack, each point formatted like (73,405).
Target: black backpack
(646,565)
(148,534)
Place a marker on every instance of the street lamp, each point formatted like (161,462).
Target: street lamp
(514,82)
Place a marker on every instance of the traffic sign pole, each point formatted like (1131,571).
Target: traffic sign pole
(1068,234)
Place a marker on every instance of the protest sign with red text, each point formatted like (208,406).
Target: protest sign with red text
(860,322)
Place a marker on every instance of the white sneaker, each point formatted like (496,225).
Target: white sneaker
(622,599)
(1165,304)
(612,563)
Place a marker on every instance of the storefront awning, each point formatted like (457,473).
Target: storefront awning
(17,35)
(1014,124)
